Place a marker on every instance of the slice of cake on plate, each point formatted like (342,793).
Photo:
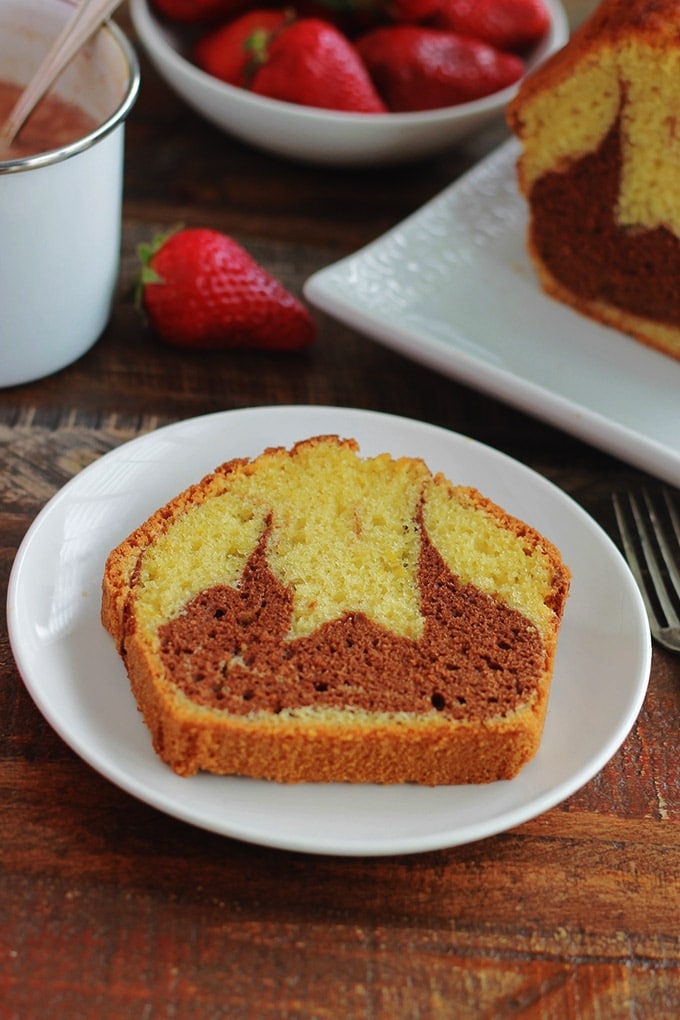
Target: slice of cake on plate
(312,615)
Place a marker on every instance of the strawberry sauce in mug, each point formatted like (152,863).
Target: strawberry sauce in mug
(52,124)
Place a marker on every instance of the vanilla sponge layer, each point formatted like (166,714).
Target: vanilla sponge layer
(573,116)
(344,538)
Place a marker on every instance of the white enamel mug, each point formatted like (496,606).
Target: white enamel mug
(60,210)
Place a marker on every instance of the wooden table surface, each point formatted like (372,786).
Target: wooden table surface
(110,908)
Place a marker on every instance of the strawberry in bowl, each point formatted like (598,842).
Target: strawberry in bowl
(262,110)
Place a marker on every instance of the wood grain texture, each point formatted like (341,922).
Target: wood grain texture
(110,909)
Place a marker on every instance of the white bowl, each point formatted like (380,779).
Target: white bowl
(325,136)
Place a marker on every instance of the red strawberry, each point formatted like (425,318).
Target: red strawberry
(310,62)
(229,52)
(417,68)
(410,11)
(506,24)
(349,16)
(197,11)
(352,16)
(200,289)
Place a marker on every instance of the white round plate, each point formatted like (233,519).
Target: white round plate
(78,682)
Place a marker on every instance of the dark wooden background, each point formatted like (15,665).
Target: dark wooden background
(111,909)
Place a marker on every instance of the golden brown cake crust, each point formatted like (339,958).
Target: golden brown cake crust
(400,719)
(614,21)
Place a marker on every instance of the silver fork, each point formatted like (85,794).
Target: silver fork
(650,533)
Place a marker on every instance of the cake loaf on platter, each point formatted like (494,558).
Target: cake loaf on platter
(314,615)
(600,168)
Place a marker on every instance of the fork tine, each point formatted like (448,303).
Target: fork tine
(650,532)
(630,549)
(670,558)
(657,561)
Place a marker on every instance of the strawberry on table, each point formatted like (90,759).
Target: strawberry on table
(512,25)
(417,68)
(201,289)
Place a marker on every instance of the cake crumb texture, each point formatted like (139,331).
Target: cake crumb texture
(614,87)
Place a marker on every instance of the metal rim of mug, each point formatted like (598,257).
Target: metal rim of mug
(119,114)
